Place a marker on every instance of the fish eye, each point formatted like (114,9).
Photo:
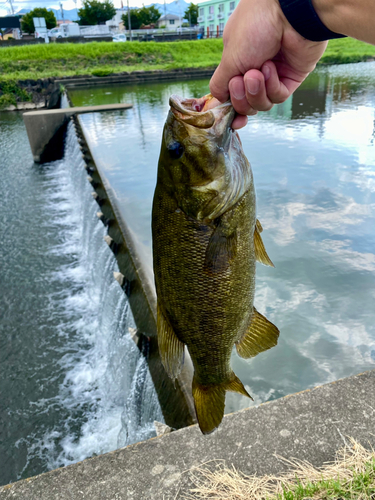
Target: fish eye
(176,150)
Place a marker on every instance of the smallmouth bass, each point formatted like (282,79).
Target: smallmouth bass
(206,240)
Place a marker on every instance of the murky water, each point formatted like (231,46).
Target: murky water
(73,383)
(313,159)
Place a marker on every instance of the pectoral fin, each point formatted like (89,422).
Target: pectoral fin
(210,401)
(171,349)
(260,336)
(260,252)
(222,248)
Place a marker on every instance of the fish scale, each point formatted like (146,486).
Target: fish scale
(204,264)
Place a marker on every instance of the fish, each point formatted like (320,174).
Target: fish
(206,241)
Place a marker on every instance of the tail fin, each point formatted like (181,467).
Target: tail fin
(210,401)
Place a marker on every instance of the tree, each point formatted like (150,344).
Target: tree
(191,14)
(27,22)
(141,17)
(96,12)
(134,20)
(148,15)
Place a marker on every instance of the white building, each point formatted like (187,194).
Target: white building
(116,21)
(170,21)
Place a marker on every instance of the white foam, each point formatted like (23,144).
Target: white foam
(107,398)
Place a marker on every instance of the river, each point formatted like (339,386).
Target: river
(73,384)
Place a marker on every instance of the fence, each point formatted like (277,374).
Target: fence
(137,36)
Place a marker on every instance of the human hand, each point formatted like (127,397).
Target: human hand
(264,59)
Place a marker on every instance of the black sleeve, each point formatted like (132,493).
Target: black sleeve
(304,19)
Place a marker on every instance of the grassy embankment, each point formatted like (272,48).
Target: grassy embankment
(41,61)
(101,59)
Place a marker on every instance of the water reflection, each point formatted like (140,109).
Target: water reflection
(314,167)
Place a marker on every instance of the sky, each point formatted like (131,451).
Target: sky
(67,4)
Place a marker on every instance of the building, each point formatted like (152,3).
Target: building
(170,22)
(116,22)
(214,14)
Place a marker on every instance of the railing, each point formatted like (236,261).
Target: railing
(162,35)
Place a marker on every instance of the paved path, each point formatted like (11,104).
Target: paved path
(310,425)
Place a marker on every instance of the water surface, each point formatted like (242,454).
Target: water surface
(314,167)
(73,383)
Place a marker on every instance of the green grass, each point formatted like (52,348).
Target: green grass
(351,476)
(11,93)
(347,50)
(361,486)
(38,61)
(103,58)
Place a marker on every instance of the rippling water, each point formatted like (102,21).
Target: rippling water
(313,159)
(73,383)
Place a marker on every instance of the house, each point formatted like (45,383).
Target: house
(213,16)
(9,33)
(170,22)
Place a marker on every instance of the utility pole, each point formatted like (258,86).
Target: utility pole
(179,5)
(62,11)
(129,23)
(11,7)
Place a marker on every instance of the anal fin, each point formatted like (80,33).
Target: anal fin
(171,349)
(260,336)
(260,251)
(209,401)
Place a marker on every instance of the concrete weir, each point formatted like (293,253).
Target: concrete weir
(135,276)
(42,126)
(311,425)
(136,279)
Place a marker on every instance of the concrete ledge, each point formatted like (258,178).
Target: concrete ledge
(136,77)
(311,425)
(42,126)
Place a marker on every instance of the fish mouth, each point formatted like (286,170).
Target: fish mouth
(204,112)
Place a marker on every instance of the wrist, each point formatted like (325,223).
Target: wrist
(328,14)
(311,18)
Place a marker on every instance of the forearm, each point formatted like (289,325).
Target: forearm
(355,18)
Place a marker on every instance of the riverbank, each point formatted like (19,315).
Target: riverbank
(103,59)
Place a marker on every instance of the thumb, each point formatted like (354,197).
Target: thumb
(219,84)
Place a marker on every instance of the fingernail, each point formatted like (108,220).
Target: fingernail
(238,90)
(252,85)
(266,72)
